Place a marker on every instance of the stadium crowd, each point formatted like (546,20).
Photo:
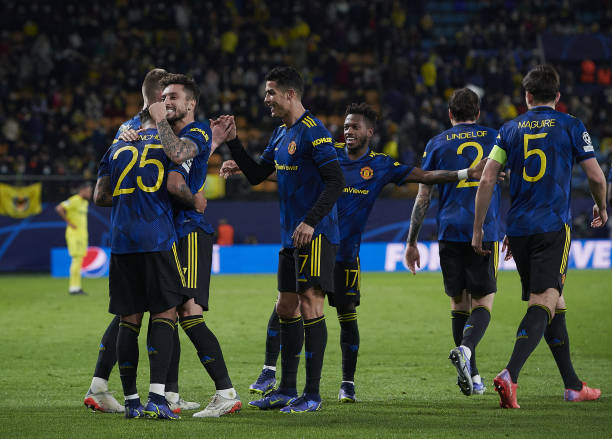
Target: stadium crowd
(71,74)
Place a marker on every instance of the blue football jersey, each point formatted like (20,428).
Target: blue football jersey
(194,173)
(298,152)
(462,146)
(132,124)
(141,217)
(540,148)
(610,176)
(365,178)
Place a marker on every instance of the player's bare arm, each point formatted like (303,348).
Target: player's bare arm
(597,186)
(103,195)
(417,175)
(421,204)
(483,199)
(177,187)
(177,150)
(62,213)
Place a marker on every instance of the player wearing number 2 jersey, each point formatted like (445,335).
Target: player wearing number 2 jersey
(470,280)
(540,148)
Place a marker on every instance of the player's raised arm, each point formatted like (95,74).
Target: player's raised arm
(597,186)
(177,150)
(483,199)
(421,204)
(255,172)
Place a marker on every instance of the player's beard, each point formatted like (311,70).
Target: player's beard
(177,116)
(358,144)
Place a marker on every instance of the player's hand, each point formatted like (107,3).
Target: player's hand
(129,135)
(229,168)
(412,257)
(477,242)
(157,111)
(302,235)
(599,217)
(71,225)
(475,172)
(506,248)
(199,202)
(231,128)
(220,131)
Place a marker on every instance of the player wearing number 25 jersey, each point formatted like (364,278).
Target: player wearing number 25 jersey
(141,224)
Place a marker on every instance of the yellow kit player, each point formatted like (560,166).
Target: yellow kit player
(74,212)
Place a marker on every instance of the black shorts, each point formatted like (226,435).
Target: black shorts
(140,282)
(347,284)
(310,266)
(195,254)
(541,260)
(464,269)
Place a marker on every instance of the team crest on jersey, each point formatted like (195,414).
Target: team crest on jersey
(366,173)
(292,147)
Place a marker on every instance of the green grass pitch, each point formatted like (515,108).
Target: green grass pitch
(405,383)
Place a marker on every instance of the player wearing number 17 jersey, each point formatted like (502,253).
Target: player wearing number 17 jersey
(366,173)
(470,280)
(540,148)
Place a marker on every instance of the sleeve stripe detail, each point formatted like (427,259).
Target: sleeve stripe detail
(309,122)
(499,155)
(335,159)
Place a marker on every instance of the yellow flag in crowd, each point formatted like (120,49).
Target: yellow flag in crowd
(20,201)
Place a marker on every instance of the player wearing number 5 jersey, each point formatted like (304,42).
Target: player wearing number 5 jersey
(469,279)
(540,148)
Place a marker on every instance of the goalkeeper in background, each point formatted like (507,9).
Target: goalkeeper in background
(74,212)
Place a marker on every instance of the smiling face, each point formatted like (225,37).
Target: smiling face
(278,99)
(357,134)
(178,102)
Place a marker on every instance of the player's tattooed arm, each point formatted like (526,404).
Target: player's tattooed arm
(103,195)
(421,204)
(177,150)
(177,187)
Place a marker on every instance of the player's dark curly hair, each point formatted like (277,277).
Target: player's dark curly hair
(368,113)
(287,77)
(191,87)
(542,82)
(464,105)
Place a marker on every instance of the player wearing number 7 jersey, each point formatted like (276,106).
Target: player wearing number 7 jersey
(470,280)
(540,148)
